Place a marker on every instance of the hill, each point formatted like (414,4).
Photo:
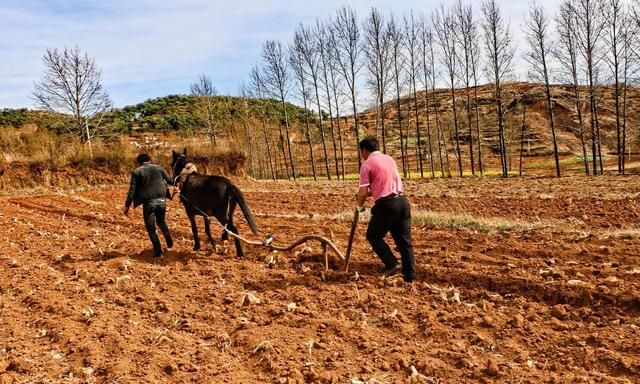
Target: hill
(172,113)
(523,101)
(241,128)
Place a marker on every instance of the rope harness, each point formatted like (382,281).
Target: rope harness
(179,180)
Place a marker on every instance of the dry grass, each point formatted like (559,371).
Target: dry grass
(41,150)
(431,219)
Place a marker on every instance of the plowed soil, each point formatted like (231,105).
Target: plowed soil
(519,281)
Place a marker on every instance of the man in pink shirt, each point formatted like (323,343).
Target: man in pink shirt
(391,212)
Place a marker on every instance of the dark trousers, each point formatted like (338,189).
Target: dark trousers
(154,214)
(393,214)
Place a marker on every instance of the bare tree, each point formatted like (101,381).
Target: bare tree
(276,78)
(324,42)
(536,30)
(71,84)
(377,52)
(397,59)
(347,54)
(426,50)
(446,26)
(566,53)
(630,66)
(465,36)
(618,27)
(206,109)
(336,84)
(310,54)
(475,65)
(500,54)
(297,61)
(332,88)
(248,132)
(442,141)
(522,133)
(590,29)
(259,94)
(412,39)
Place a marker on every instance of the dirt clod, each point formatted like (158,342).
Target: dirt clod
(491,369)
(559,312)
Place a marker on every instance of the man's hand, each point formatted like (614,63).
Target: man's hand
(363,193)
(125,211)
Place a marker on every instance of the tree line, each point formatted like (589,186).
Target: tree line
(328,65)
(420,74)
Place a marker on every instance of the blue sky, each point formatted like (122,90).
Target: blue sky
(151,48)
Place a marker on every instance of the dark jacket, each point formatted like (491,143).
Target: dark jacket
(148,182)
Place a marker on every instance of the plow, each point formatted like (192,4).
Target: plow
(325,243)
(269,243)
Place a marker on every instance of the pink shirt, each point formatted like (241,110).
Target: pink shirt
(380,174)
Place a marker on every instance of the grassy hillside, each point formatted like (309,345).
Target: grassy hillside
(173,113)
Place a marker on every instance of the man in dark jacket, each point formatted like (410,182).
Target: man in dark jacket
(149,187)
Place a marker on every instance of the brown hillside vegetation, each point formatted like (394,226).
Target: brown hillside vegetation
(518,96)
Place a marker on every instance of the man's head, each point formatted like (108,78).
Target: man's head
(143,158)
(368,145)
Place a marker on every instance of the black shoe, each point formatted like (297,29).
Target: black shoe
(158,253)
(169,244)
(390,271)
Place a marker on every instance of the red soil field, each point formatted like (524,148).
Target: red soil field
(529,280)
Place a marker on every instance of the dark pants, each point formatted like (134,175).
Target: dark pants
(154,214)
(393,214)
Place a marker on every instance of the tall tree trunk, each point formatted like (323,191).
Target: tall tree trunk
(592,120)
(455,123)
(478,132)
(355,125)
(501,137)
(266,140)
(597,121)
(320,117)
(624,117)
(438,132)
(383,131)
(418,137)
(286,127)
(308,129)
(283,147)
(583,143)
(331,124)
(473,167)
(524,125)
(337,104)
(402,146)
(550,111)
(428,121)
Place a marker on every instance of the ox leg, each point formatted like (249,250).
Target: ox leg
(194,231)
(207,230)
